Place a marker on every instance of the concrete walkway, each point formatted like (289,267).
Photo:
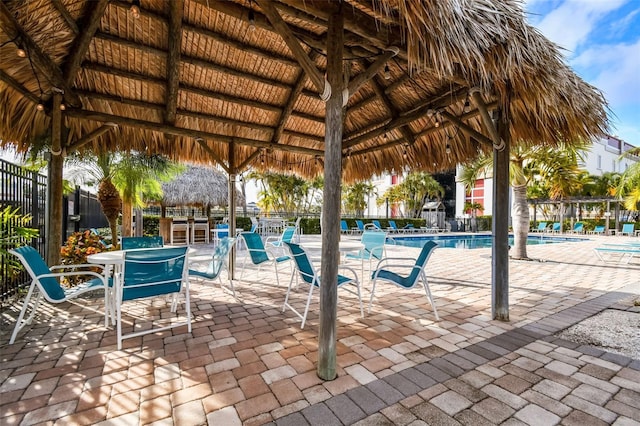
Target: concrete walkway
(247,362)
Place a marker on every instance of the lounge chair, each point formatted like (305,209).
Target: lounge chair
(359,227)
(410,228)
(617,254)
(259,255)
(152,273)
(129,243)
(373,248)
(307,272)
(217,264)
(383,273)
(376,224)
(578,228)
(344,228)
(44,283)
(393,227)
(627,229)
(598,230)
(555,228)
(542,227)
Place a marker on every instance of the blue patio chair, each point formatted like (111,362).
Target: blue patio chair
(393,227)
(627,229)
(259,255)
(344,228)
(409,228)
(359,228)
(217,264)
(278,242)
(376,224)
(382,273)
(373,248)
(129,243)
(221,231)
(151,273)
(597,230)
(307,272)
(44,284)
(578,228)
(555,228)
(542,227)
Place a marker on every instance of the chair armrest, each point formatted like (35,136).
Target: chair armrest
(408,262)
(347,268)
(66,274)
(270,240)
(80,265)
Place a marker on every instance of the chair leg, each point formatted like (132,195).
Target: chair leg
(306,309)
(373,291)
(428,291)
(286,297)
(19,322)
(360,298)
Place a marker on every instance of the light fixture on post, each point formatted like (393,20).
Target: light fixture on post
(404,150)
(448,148)
(20,52)
(251,17)
(135,9)
(387,72)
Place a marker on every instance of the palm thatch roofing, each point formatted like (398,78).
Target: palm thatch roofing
(240,82)
(198,186)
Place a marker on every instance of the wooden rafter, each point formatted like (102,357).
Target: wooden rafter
(60,7)
(181,131)
(407,134)
(248,160)
(11,82)
(309,67)
(476,96)
(89,137)
(470,131)
(213,155)
(371,70)
(176,8)
(12,28)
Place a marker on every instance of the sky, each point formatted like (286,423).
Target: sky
(601,43)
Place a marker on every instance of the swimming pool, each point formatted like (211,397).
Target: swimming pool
(474,241)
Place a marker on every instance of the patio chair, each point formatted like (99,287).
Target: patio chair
(278,242)
(555,228)
(344,228)
(129,243)
(393,227)
(578,228)
(409,228)
(44,284)
(307,272)
(152,273)
(373,242)
(217,264)
(376,224)
(619,254)
(221,231)
(627,229)
(296,225)
(383,273)
(598,230)
(259,255)
(359,227)
(542,227)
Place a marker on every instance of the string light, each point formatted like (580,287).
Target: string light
(251,17)
(448,148)
(62,107)
(387,72)
(135,9)
(20,52)
(40,106)
(365,158)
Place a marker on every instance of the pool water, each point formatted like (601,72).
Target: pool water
(474,241)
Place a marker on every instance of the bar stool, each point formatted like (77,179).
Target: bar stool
(179,225)
(200,224)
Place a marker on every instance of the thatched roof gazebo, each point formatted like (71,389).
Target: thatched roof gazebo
(198,186)
(345,88)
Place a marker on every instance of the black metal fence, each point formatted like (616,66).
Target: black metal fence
(27,191)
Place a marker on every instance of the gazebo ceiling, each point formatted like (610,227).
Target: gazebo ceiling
(192,79)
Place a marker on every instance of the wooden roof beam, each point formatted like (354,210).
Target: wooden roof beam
(13,30)
(181,131)
(476,96)
(60,7)
(213,155)
(468,130)
(309,67)
(11,82)
(249,160)
(406,132)
(89,137)
(176,10)
(356,83)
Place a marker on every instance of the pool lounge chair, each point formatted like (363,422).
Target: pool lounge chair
(578,228)
(598,230)
(555,228)
(617,254)
(393,227)
(627,229)
(359,227)
(344,228)
(542,227)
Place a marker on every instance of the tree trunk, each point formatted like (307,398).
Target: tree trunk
(520,215)
(127,219)
(111,203)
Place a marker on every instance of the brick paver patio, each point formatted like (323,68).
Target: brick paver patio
(247,362)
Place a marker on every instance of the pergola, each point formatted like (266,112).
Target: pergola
(346,88)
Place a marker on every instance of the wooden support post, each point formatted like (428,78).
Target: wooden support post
(54,186)
(327,335)
(232,206)
(500,226)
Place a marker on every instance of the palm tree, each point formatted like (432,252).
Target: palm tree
(414,191)
(354,197)
(555,169)
(628,188)
(280,192)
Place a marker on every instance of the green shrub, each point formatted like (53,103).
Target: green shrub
(78,246)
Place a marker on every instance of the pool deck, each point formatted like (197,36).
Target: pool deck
(246,362)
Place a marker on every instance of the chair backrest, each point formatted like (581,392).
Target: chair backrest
(421,261)
(376,223)
(578,226)
(542,226)
(36,266)
(153,272)
(288,234)
(180,219)
(556,226)
(222,226)
(360,225)
(201,219)
(141,242)
(303,263)
(255,246)
(343,225)
(373,242)
(220,255)
(392,224)
(627,228)
(598,229)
